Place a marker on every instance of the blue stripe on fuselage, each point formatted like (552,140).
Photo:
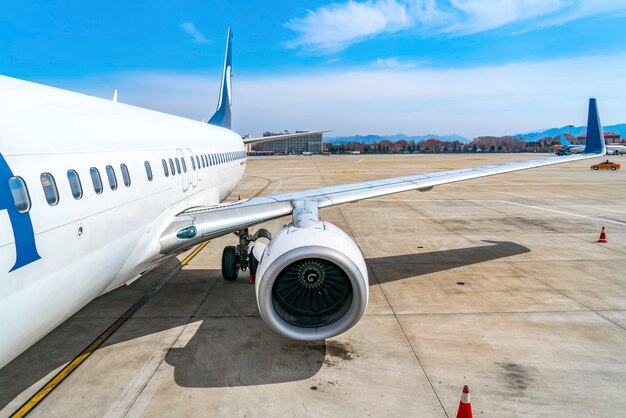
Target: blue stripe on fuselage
(23,233)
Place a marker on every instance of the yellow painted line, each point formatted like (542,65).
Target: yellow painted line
(30,404)
(264,187)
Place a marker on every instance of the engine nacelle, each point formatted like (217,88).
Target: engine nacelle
(311,282)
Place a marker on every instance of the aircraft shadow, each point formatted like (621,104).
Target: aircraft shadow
(419,264)
(231,346)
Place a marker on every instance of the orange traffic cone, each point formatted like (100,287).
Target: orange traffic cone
(465,406)
(602,236)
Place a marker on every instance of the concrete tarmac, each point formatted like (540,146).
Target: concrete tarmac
(496,283)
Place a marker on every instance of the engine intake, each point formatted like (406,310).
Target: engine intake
(311,282)
(312,292)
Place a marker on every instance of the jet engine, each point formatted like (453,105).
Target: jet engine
(311,281)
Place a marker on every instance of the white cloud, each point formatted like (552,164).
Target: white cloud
(395,63)
(478,16)
(517,97)
(336,26)
(191,29)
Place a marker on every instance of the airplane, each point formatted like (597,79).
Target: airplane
(569,148)
(94,193)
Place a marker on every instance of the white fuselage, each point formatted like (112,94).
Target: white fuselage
(616,149)
(610,148)
(93,244)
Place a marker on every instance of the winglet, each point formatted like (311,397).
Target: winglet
(595,139)
(222,114)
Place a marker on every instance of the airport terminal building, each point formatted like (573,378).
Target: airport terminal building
(308,143)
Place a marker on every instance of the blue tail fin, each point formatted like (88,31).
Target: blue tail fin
(595,139)
(564,141)
(222,116)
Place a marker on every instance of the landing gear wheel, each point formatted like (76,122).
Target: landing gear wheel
(230,269)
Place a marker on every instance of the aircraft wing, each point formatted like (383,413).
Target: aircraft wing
(211,222)
(199,224)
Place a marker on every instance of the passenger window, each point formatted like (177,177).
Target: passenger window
(50,189)
(184,163)
(148,170)
(193,162)
(125,174)
(19,191)
(172,167)
(96,180)
(177,166)
(75,186)
(165,170)
(111,177)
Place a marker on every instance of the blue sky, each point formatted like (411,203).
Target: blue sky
(457,66)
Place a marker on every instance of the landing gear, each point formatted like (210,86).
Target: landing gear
(230,268)
(236,258)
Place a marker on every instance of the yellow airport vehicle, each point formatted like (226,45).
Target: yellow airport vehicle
(606,165)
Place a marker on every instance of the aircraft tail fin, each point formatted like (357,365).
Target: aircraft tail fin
(222,116)
(564,141)
(595,139)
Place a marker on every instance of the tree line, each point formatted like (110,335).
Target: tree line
(479,144)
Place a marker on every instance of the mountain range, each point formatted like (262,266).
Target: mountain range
(530,136)
(575,131)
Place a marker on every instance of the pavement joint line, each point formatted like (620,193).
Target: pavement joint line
(347,223)
(147,380)
(570,311)
(579,215)
(571,298)
(562,212)
(189,320)
(59,377)
(406,337)
(68,369)
(182,331)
